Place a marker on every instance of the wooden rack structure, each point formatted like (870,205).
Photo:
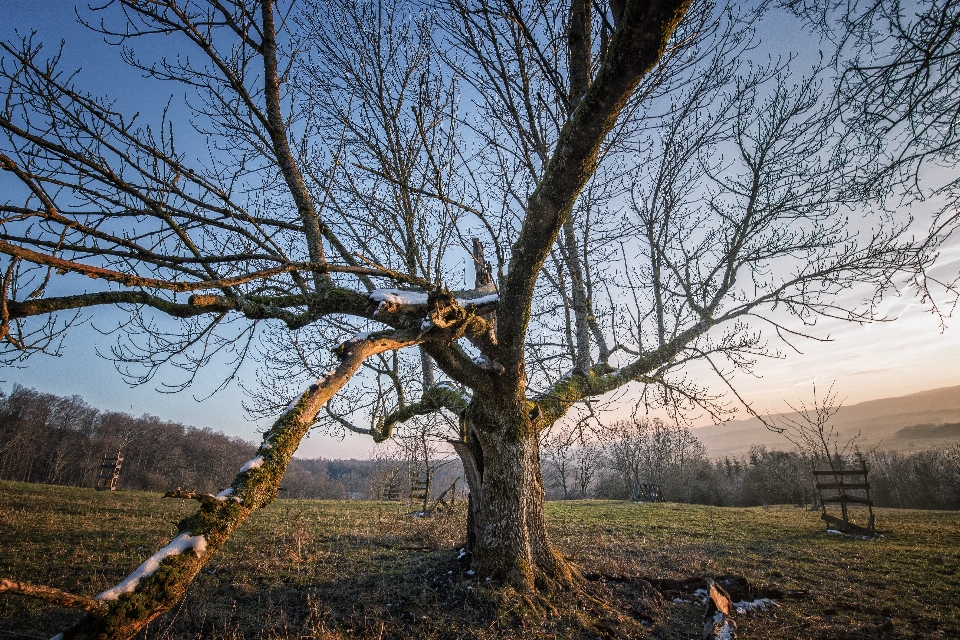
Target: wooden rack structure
(843,482)
(109,472)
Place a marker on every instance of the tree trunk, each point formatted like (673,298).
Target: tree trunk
(509,535)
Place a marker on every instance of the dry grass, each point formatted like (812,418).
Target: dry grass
(306,569)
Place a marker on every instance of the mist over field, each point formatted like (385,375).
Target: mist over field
(906,423)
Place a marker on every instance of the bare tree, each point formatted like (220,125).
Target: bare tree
(647,451)
(589,460)
(813,432)
(337,158)
(571,459)
(557,459)
(899,69)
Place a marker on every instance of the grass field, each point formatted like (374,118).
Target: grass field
(308,569)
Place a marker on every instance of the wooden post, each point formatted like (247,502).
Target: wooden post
(420,490)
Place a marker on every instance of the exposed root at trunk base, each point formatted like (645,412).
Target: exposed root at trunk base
(584,607)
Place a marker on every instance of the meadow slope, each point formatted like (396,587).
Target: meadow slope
(325,569)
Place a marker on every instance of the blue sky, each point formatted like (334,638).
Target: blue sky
(908,354)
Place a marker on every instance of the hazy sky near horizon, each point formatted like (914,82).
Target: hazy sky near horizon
(909,353)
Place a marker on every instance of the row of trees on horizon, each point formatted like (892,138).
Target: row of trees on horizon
(51,439)
(45,438)
(645,452)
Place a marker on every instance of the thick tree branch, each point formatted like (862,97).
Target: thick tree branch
(277,129)
(434,399)
(574,387)
(161,581)
(132,280)
(638,44)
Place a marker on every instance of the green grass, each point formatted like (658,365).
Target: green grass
(308,569)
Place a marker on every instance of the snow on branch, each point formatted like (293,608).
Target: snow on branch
(181,544)
(487,299)
(251,464)
(398,296)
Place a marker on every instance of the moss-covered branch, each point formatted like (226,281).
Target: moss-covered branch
(603,378)
(281,308)
(295,311)
(436,398)
(162,580)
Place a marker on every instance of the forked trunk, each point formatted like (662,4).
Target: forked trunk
(508,533)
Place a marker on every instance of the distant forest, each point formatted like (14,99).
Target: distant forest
(50,439)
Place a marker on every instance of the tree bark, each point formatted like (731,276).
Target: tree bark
(509,534)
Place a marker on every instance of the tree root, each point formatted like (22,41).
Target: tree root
(587,605)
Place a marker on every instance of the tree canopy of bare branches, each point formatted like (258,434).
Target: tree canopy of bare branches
(651,199)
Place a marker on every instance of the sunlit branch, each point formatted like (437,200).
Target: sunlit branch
(434,399)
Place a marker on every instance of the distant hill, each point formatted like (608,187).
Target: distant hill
(906,423)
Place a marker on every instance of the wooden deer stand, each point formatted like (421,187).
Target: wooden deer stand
(843,482)
(109,472)
(391,490)
(420,490)
(441,503)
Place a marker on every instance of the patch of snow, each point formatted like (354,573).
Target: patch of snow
(426,324)
(293,403)
(463,554)
(363,335)
(724,629)
(745,606)
(180,544)
(851,535)
(491,297)
(223,495)
(472,572)
(678,600)
(59,636)
(703,594)
(397,296)
(252,464)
